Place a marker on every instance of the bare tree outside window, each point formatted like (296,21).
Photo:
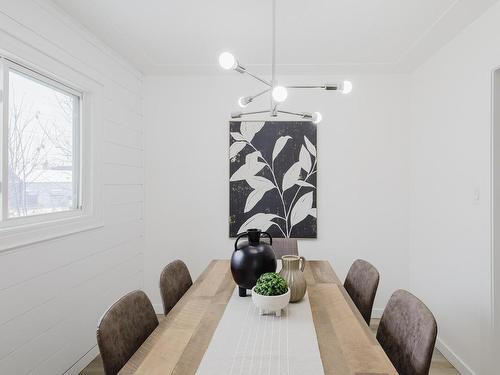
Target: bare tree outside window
(40,147)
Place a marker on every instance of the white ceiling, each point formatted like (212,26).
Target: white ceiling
(313,36)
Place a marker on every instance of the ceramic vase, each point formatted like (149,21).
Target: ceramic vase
(251,258)
(292,272)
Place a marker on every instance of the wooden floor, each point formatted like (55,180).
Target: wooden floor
(439,366)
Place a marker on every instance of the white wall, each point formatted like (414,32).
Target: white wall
(450,250)
(496,213)
(363,173)
(52,293)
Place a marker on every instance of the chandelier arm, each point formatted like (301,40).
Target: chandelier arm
(240,114)
(274,109)
(291,113)
(328,86)
(260,93)
(253,113)
(258,78)
(305,87)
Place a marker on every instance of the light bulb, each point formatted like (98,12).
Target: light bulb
(317,117)
(243,101)
(346,87)
(279,94)
(227,61)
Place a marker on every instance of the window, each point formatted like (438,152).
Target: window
(40,145)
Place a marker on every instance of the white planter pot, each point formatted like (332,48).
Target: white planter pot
(270,304)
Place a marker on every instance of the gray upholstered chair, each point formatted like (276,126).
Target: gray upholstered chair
(407,332)
(285,246)
(123,328)
(361,283)
(175,280)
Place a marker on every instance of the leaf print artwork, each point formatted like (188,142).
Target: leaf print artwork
(272,181)
(306,184)
(260,185)
(249,129)
(278,146)
(235,148)
(251,167)
(302,208)
(262,221)
(310,146)
(291,176)
(305,159)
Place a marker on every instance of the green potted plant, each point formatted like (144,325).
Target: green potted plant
(271,293)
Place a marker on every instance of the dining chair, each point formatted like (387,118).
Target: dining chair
(285,246)
(407,333)
(175,280)
(123,328)
(361,284)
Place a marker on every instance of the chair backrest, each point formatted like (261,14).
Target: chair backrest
(407,332)
(175,280)
(285,246)
(123,328)
(361,283)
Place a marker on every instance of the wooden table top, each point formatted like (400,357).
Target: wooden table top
(346,344)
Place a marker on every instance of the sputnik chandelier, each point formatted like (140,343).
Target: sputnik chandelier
(277,92)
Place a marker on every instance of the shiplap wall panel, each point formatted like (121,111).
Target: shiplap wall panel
(47,314)
(123,155)
(117,174)
(118,114)
(123,212)
(129,99)
(41,347)
(123,136)
(56,253)
(123,194)
(46,22)
(64,357)
(48,286)
(53,293)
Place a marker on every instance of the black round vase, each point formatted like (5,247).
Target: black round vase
(251,258)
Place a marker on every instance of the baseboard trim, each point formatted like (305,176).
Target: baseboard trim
(83,362)
(453,358)
(158,307)
(377,313)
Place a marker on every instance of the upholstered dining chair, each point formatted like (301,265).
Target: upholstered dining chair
(175,280)
(407,333)
(123,328)
(285,246)
(361,284)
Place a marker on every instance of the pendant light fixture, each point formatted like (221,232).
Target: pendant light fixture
(278,93)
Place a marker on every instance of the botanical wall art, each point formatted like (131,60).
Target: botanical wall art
(272,184)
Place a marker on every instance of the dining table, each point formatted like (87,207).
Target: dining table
(211,330)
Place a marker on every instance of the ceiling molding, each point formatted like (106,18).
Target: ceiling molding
(143,53)
(453,22)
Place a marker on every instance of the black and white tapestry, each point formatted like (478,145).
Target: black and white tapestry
(272,184)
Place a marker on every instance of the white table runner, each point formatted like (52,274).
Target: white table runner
(246,343)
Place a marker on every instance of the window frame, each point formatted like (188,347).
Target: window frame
(6,221)
(16,232)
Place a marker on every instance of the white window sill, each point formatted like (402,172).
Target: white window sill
(12,238)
